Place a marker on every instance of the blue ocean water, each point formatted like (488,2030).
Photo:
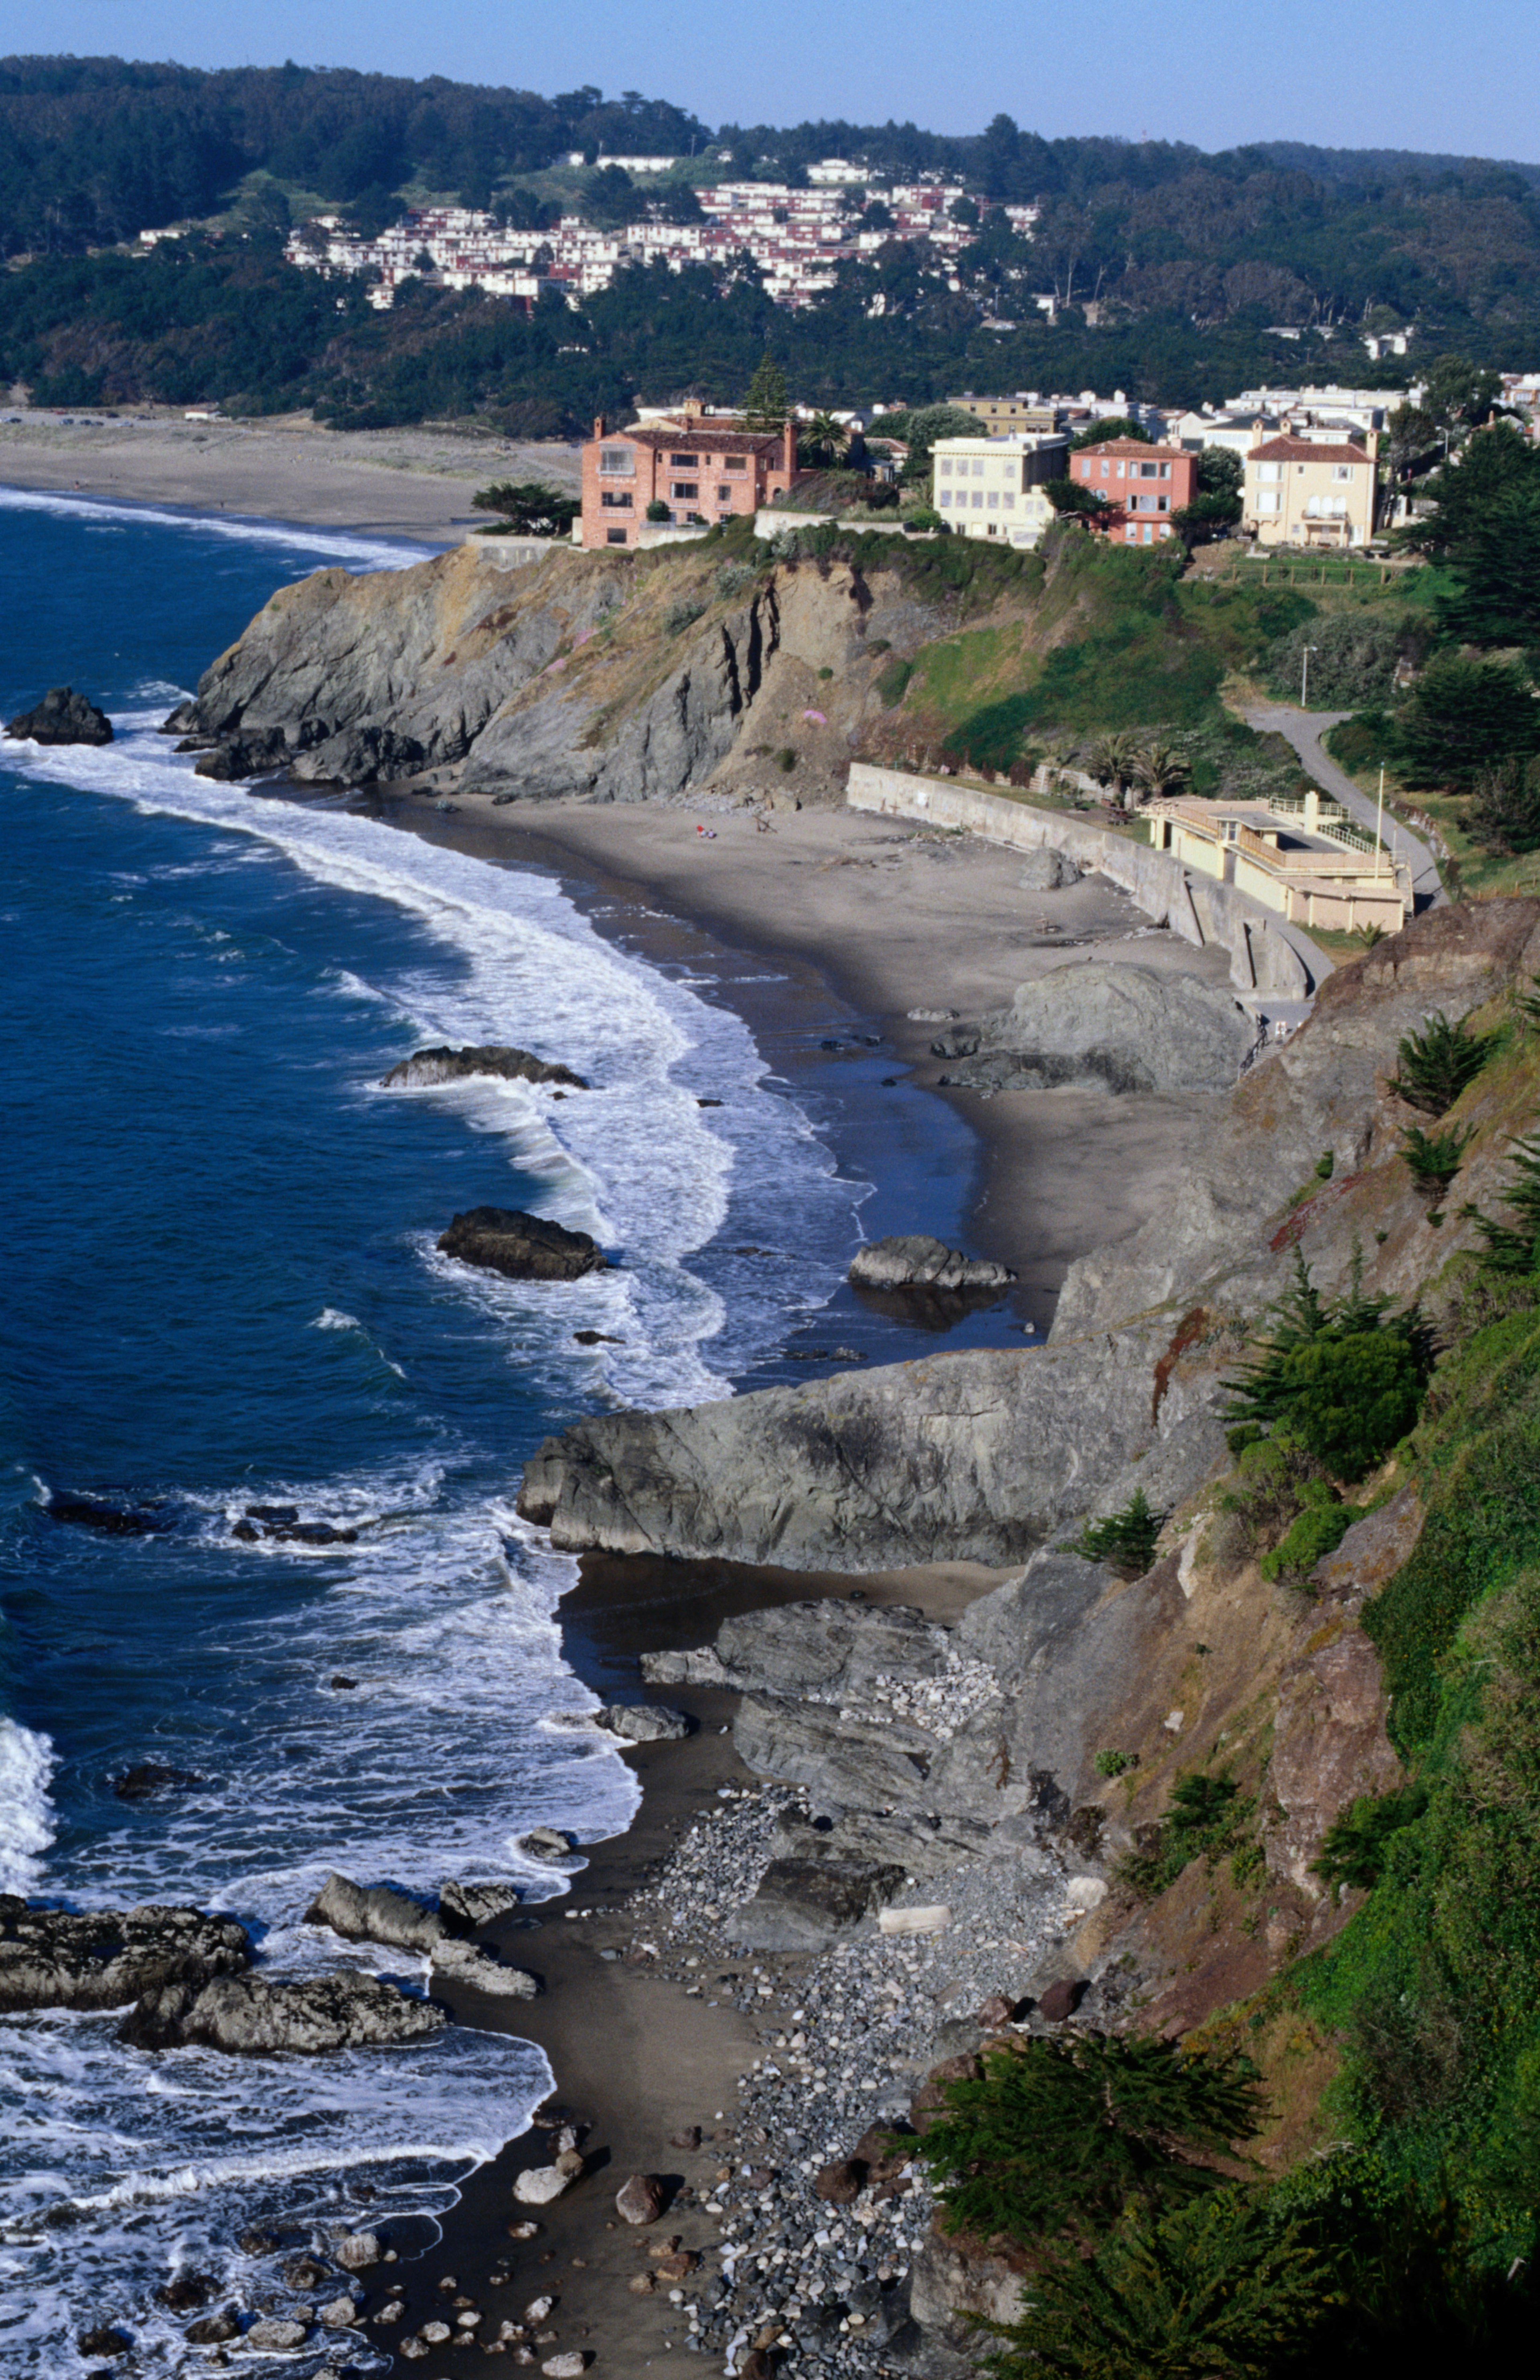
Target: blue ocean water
(222,1289)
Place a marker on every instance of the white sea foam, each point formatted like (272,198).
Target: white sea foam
(26,1810)
(362,552)
(330,1319)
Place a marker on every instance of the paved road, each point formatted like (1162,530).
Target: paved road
(1304,730)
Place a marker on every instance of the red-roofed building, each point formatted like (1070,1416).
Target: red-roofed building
(1311,490)
(1143,486)
(702,471)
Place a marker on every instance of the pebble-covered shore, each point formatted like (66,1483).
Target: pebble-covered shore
(846,2038)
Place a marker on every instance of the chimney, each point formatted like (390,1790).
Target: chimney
(598,425)
(789,444)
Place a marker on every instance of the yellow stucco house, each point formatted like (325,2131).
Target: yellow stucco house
(1312,491)
(1304,858)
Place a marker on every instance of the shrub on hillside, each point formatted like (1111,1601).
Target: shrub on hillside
(1127,1540)
(1353,659)
(1340,1383)
(1434,1067)
(1061,2135)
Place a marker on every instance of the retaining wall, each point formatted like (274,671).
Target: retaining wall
(1263,956)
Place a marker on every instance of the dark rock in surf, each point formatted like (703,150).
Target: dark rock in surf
(183,720)
(211,2330)
(62,717)
(374,1913)
(51,1959)
(248,2016)
(426,1067)
(187,2292)
(313,1533)
(525,1247)
(105,2340)
(109,1520)
(148,1778)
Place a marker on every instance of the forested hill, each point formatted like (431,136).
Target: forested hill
(1178,274)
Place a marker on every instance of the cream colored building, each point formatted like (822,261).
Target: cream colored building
(993,487)
(1310,492)
(1305,858)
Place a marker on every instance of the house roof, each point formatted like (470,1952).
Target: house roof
(690,433)
(1305,449)
(1126,446)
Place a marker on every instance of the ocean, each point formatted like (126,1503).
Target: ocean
(223,1289)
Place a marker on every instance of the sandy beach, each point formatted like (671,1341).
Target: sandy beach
(399,483)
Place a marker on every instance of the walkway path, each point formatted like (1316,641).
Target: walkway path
(1304,730)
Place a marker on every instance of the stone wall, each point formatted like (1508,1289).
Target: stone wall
(1262,958)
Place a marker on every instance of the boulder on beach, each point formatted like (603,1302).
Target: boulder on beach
(464,1963)
(914,1260)
(1108,1028)
(645,1723)
(807,1904)
(472,1906)
(525,1247)
(1047,871)
(374,1913)
(246,2015)
(62,717)
(539,2184)
(148,1778)
(640,2199)
(426,1067)
(50,1958)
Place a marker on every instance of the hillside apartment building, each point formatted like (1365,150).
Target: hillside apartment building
(1312,490)
(1301,856)
(1143,486)
(702,469)
(993,487)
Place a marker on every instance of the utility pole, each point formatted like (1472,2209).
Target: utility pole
(1305,675)
(1379,822)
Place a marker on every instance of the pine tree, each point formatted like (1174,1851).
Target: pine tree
(767,404)
(1127,1540)
(1434,1158)
(1515,1248)
(1434,1067)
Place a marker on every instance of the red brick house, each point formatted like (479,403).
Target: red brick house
(702,470)
(1143,485)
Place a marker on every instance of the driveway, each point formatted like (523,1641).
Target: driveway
(1304,730)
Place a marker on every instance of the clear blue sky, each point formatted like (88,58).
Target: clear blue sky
(1391,74)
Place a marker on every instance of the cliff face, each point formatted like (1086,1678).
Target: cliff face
(982,1455)
(581,675)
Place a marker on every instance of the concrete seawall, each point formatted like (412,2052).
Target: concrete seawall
(1266,953)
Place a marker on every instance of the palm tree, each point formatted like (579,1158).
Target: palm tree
(1159,770)
(1110,757)
(824,438)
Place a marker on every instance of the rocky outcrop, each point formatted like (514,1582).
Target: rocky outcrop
(375,1913)
(1049,871)
(249,2016)
(804,1904)
(916,1261)
(62,717)
(426,1068)
(1105,1028)
(644,1723)
(974,1456)
(51,1959)
(478,1970)
(525,1247)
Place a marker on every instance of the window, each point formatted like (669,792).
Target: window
(946,466)
(978,470)
(1122,470)
(1269,501)
(616,500)
(724,495)
(1341,470)
(994,500)
(946,499)
(734,462)
(978,499)
(615,461)
(1009,501)
(1150,470)
(684,462)
(1162,504)
(1106,471)
(1165,470)
(684,490)
(614,536)
(1269,470)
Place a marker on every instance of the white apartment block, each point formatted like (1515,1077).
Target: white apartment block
(993,487)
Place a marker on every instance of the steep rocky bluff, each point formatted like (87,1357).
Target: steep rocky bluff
(983,1454)
(616,680)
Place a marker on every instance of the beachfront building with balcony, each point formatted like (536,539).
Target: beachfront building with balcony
(1301,856)
(993,487)
(1141,487)
(700,468)
(1312,490)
